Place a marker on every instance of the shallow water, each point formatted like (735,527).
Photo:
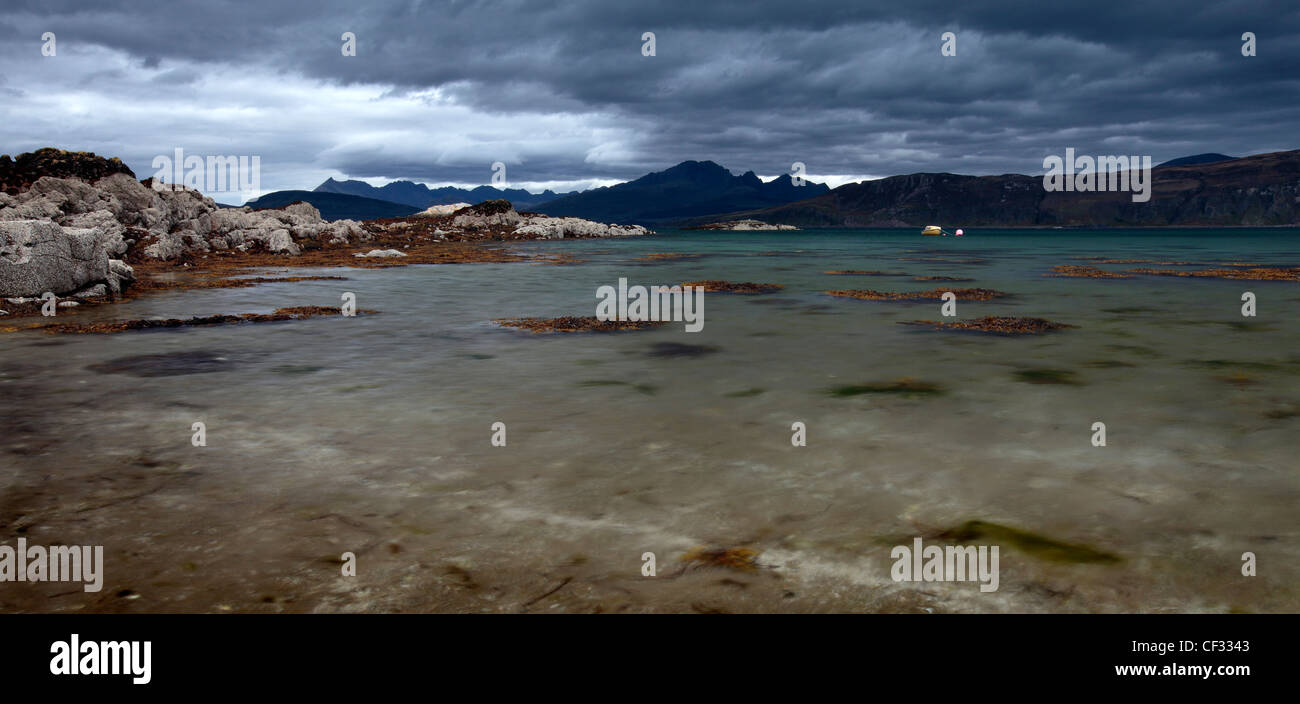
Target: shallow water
(372,434)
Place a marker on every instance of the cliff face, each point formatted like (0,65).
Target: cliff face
(1257,190)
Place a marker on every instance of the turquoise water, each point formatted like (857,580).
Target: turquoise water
(372,434)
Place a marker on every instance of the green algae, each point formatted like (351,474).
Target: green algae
(904,387)
(646,389)
(1283,413)
(294,369)
(1248,325)
(1108,364)
(1048,376)
(1038,546)
(1236,364)
(1139,350)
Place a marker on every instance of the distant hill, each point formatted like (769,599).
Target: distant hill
(691,188)
(421,196)
(1197,159)
(1252,191)
(336,206)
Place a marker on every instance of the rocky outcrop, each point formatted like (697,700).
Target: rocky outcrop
(499,216)
(68,236)
(38,256)
(381,253)
(18,175)
(742,226)
(486,215)
(542,227)
(72,224)
(169,224)
(443,209)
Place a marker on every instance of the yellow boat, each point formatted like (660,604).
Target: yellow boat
(932,230)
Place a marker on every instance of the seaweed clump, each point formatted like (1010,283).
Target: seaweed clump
(742,559)
(748,287)
(1036,545)
(964,294)
(571,323)
(1000,325)
(1263,273)
(680,349)
(281,314)
(906,386)
(1087,272)
(1048,376)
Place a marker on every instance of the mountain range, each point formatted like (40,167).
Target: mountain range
(421,196)
(691,188)
(1204,189)
(1256,190)
(336,206)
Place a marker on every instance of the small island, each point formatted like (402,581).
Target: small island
(742,226)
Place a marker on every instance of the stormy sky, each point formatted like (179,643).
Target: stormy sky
(563,95)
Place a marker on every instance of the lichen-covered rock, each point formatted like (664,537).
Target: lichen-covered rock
(133,218)
(743,226)
(38,256)
(496,220)
(558,228)
(18,174)
(486,215)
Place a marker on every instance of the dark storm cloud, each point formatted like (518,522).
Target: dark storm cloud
(847,88)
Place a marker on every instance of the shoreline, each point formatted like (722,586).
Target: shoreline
(391,243)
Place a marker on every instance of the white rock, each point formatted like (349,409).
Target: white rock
(558,228)
(442,209)
(381,253)
(472,221)
(38,256)
(175,220)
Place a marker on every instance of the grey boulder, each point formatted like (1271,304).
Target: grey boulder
(39,256)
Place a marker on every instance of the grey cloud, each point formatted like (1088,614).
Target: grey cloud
(845,87)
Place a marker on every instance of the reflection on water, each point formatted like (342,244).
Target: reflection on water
(372,435)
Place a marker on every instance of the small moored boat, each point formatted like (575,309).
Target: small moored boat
(932,230)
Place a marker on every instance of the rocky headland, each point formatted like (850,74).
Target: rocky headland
(82,227)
